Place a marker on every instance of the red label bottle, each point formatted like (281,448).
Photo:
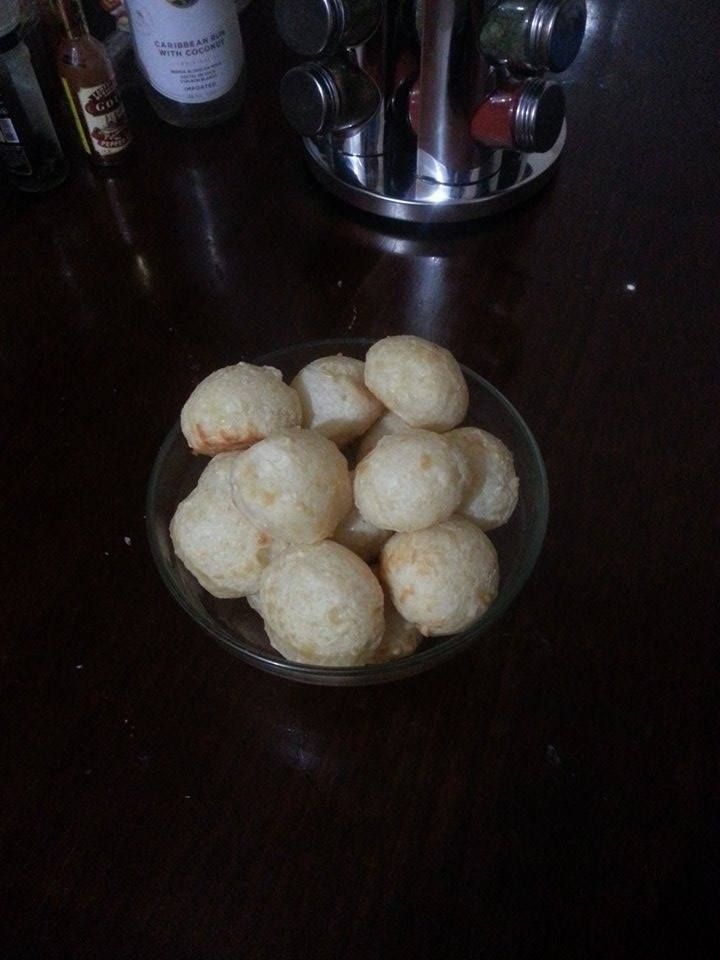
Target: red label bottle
(90,87)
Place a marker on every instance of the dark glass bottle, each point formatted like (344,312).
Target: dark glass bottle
(29,147)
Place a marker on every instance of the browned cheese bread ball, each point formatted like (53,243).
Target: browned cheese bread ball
(443,578)
(335,400)
(388,425)
(491,493)
(295,484)
(409,481)
(234,407)
(321,604)
(223,550)
(418,380)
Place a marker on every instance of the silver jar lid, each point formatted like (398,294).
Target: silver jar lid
(315,27)
(539,116)
(309,27)
(556,34)
(310,99)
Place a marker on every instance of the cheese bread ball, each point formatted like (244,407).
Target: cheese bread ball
(335,400)
(359,535)
(418,380)
(388,424)
(409,481)
(217,472)
(444,578)
(235,406)
(253,600)
(491,493)
(223,550)
(294,484)
(399,638)
(321,604)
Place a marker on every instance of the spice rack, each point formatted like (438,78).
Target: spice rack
(430,110)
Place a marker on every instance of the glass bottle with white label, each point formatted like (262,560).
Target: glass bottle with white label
(91,90)
(29,147)
(191,55)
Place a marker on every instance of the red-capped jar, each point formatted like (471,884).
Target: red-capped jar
(526,116)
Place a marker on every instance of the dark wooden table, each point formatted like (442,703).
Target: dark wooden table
(553,792)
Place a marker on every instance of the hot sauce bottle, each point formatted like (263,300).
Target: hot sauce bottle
(90,87)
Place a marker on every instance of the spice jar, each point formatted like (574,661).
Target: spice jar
(534,35)
(329,97)
(315,27)
(526,116)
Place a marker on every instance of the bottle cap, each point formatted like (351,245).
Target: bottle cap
(9,16)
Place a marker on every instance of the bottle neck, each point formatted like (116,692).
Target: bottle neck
(72,17)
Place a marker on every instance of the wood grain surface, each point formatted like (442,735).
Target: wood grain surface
(552,793)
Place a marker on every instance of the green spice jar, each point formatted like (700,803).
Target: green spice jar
(534,35)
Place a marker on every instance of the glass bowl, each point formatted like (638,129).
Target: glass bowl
(239,628)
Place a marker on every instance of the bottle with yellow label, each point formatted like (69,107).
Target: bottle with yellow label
(90,87)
